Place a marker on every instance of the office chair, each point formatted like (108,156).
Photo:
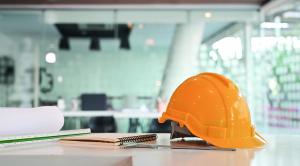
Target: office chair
(98,102)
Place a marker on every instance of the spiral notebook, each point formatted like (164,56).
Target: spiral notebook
(116,139)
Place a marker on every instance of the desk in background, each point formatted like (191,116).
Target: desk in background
(116,114)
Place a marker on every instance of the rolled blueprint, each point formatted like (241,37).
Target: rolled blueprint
(27,121)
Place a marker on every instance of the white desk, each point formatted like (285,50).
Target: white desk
(116,114)
(281,151)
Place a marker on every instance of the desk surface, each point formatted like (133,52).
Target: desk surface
(281,150)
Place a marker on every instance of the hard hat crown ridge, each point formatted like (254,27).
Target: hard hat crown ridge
(212,108)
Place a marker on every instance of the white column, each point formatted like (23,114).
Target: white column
(249,68)
(183,57)
(36,76)
(23,62)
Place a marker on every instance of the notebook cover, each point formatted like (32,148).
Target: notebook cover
(86,144)
(112,138)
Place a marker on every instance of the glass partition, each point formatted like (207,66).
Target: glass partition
(130,77)
(20,38)
(276,54)
(73,61)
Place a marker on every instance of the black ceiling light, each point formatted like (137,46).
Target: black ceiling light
(124,43)
(98,31)
(95,44)
(64,44)
(124,32)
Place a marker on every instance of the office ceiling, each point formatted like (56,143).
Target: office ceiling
(32,24)
(120,2)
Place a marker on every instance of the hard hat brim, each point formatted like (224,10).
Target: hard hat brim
(255,141)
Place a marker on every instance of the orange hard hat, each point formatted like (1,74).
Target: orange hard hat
(212,108)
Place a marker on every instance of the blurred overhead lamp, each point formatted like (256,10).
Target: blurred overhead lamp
(95,45)
(64,44)
(129,25)
(207,14)
(158,83)
(50,57)
(274,25)
(150,42)
(141,26)
(291,14)
(60,79)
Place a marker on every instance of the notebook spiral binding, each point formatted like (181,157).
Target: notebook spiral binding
(136,139)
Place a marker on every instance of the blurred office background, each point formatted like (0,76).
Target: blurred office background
(92,58)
